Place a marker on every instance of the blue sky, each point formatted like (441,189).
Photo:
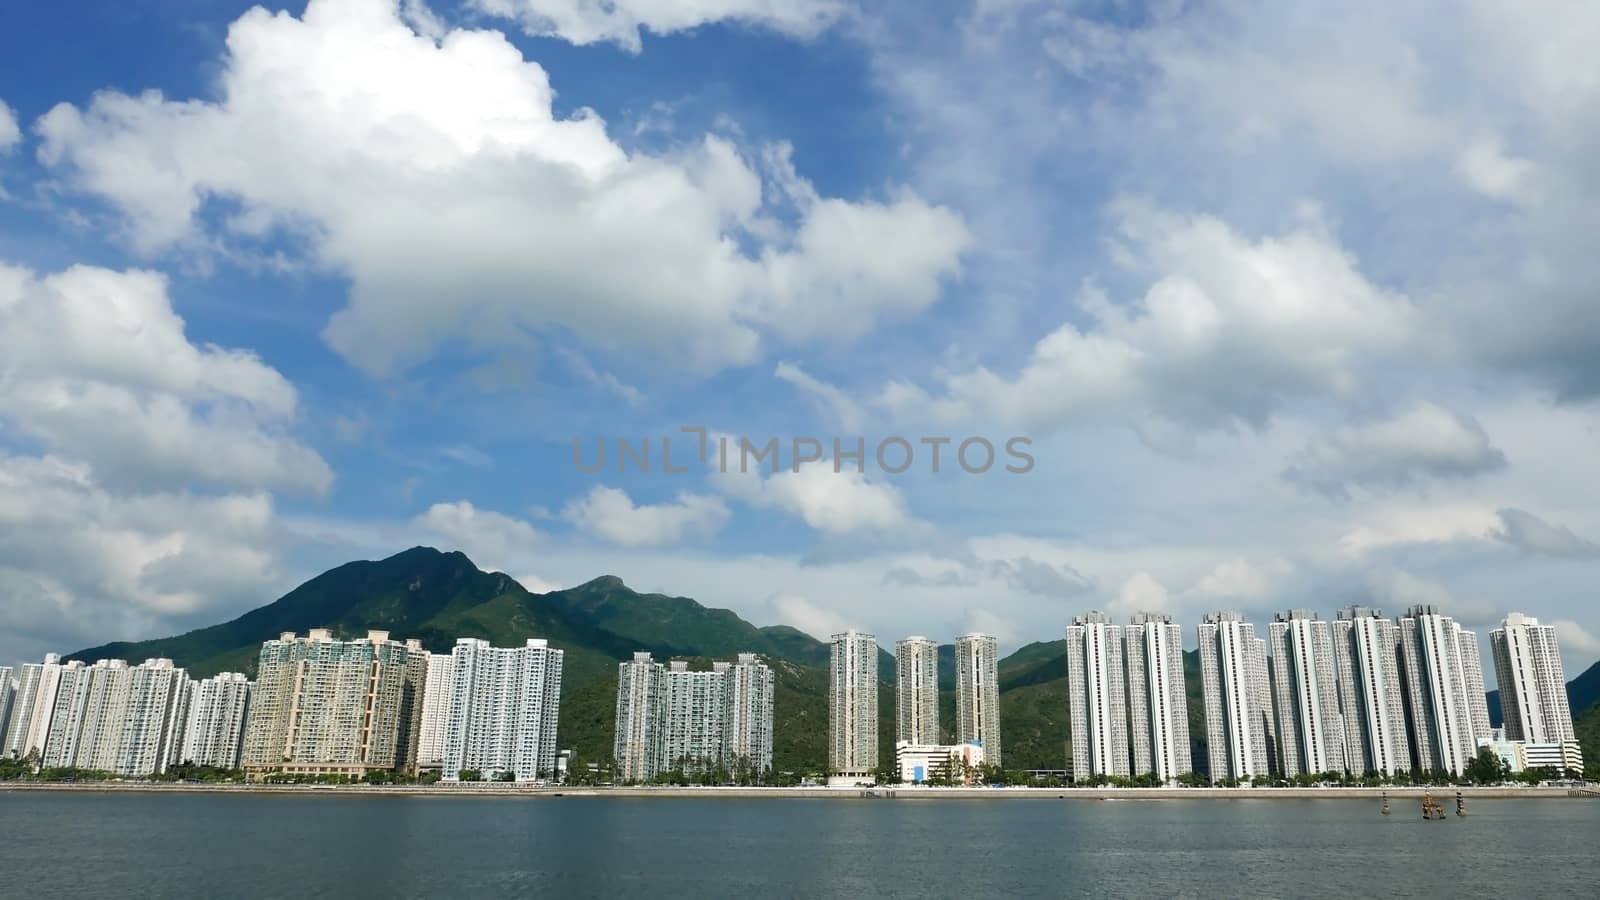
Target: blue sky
(1295,312)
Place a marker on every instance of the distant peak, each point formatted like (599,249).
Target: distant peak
(606,583)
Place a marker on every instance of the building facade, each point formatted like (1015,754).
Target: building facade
(1365,648)
(336,707)
(978,694)
(503,711)
(921,763)
(1096,697)
(747,719)
(853,705)
(916,680)
(32,708)
(640,683)
(1533,685)
(1158,705)
(690,730)
(436,699)
(112,717)
(1310,725)
(1446,708)
(213,733)
(1239,716)
(8,693)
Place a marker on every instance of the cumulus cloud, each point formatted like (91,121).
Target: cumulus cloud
(95,364)
(1230,330)
(835,503)
(800,612)
(1427,524)
(1140,593)
(493,540)
(611,514)
(81,564)
(1574,638)
(622,21)
(1534,535)
(836,405)
(434,174)
(1424,443)
(1244,579)
(1022,573)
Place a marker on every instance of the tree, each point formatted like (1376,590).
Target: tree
(1487,768)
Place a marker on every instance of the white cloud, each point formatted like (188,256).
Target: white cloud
(1140,593)
(1534,535)
(611,514)
(621,21)
(1574,638)
(1426,524)
(492,540)
(1487,169)
(836,405)
(435,175)
(81,564)
(799,612)
(10,134)
(1244,579)
(95,364)
(1230,330)
(1424,443)
(832,502)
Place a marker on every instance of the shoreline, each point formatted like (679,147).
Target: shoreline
(822,793)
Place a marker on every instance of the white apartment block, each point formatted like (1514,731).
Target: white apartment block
(1370,699)
(853,705)
(674,718)
(31,710)
(1158,707)
(639,688)
(1533,685)
(689,736)
(1096,697)
(8,693)
(916,670)
(436,698)
(1310,725)
(978,694)
(213,733)
(332,707)
(504,707)
(1233,671)
(747,718)
(1441,672)
(117,718)
(918,763)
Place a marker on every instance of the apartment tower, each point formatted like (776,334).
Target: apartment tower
(1233,673)
(504,705)
(1158,705)
(1365,648)
(1533,687)
(1096,697)
(1305,689)
(978,694)
(916,668)
(853,705)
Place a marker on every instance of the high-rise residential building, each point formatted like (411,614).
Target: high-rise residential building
(1239,719)
(1533,685)
(916,681)
(436,698)
(503,710)
(213,733)
(978,694)
(8,693)
(674,718)
(853,705)
(115,718)
(1443,689)
(333,707)
(639,689)
(747,719)
(689,736)
(1096,697)
(1365,645)
(31,710)
(1305,688)
(1158,706)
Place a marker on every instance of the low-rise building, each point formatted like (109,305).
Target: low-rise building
(923,763)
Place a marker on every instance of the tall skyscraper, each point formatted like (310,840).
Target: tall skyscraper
(436,698)
(8,693)
(1365,645)
(916,668)
(1533,685)
(747,719)
(115,718)
(1443,680)
(31,710)
(853,705)
(1310,726)
(330,707)
(672,718)
(1233,671)
(690,731)
(213,734)
(504,705)
(1158,706)
(978,694)
(640,683)
(1096,697)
